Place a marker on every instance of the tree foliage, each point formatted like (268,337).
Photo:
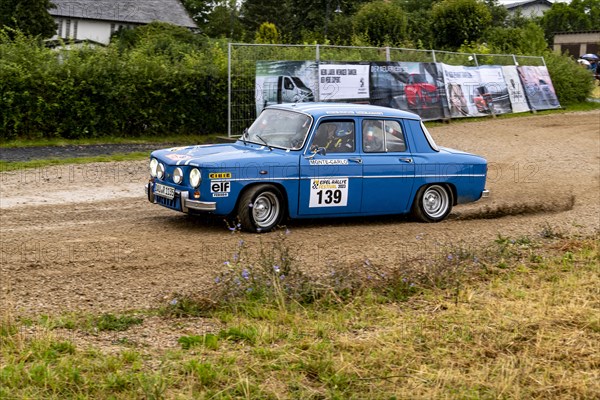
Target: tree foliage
(256,12)
(267,33)
(31,17)
(579,15)
(455,22)
(382,23)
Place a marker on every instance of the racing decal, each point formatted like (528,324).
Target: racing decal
(328,192)
(220,188)
(219,175)
(178,157)
(329,162)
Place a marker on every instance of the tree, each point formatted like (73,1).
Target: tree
(528,40)
(579,15)
(31,17)
(224,21)
(256,12)
(267,33)
(499,13)
(455,22)
(198,10)
(382,23)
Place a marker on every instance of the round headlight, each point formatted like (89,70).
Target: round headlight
(177,175)
(160,171)
(195,177)
(153,167)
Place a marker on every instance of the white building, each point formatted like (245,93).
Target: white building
(96,21)
(531,8)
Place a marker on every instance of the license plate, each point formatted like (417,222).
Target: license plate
(164,191)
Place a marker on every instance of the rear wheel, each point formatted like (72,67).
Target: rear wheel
(432,203)
(260,208)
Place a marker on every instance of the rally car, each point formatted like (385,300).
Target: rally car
(312,160)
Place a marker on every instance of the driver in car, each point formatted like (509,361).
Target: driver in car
(334,137)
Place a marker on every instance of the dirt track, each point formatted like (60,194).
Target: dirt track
(79,237)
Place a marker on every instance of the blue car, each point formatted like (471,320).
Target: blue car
(312,160)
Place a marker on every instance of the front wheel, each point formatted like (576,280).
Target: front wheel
(260,208)
(432,203)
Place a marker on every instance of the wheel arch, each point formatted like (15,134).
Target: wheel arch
(278,185)
(448,185)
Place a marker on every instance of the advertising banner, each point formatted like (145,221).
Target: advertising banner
(492,93)
(516,92)
(538,88)
(463,91)
(343,82)
(285,82)
(432,90)
(411,86)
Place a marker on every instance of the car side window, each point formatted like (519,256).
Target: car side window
(394,138)
(381,136)
(335,136)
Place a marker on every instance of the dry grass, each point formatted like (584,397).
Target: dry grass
(523,323)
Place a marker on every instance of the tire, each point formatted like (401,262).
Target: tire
(433,203)
(260,208)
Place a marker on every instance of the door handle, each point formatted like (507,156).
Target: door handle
(356,160)
(406,160)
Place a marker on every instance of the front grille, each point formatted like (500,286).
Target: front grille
(171,203)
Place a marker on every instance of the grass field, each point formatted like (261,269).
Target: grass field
(514,319)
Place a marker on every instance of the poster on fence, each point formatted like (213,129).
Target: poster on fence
(463,91)
(538,88)
(344,82)
(492,93)
(411,86)
(516,92)
(284,82)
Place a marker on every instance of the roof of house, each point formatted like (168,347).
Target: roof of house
(527,3)
(127,11)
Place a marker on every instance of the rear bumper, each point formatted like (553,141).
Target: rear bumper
(185,204)
(485,193)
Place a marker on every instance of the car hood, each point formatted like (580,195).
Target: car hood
(218,154)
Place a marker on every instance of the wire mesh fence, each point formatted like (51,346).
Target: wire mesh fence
(243,59)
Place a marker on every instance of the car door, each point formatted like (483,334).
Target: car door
(331,173)
(388,167)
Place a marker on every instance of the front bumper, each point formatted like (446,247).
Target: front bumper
(185,204)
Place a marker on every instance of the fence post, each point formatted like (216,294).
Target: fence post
(387,54)
(475,59)
(433,56)
(229,89)
(515,60)
(318,86)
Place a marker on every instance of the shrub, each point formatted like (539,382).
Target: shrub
(572,83)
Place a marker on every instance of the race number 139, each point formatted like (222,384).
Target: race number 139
(328,192)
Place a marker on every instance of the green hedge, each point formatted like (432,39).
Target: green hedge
(155,80)
(87,92)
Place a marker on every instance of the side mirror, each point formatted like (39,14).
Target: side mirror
(314,150)
(318,150)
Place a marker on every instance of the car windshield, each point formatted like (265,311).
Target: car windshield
(299,83)
(279,128)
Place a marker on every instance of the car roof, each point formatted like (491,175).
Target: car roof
(345,109)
